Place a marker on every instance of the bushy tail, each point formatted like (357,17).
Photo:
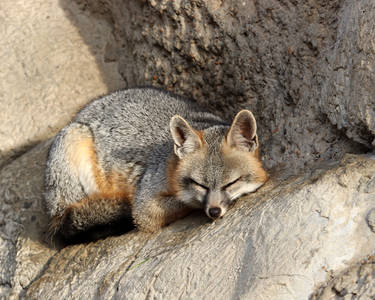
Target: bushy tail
(82,194)
(92,218)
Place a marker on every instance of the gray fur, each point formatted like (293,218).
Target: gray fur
(131,131)
(62,186)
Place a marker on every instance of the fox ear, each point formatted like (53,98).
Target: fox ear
(185,138)
(242,133)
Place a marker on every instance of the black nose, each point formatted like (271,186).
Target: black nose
(214,212)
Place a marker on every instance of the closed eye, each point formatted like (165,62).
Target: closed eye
(231,183)
(192,181)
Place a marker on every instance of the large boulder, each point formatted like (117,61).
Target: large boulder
(347,73)
(52,63)
(305,68)
(23,250)
(279,243)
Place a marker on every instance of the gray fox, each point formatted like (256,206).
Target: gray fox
(149,156)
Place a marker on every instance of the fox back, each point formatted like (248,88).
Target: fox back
(148,156)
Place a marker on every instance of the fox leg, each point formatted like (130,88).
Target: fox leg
(159,211)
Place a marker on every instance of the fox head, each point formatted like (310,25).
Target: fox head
(215,166)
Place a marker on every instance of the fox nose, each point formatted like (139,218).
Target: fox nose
(214,212)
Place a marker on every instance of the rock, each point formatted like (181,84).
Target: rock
(304,68)
(23,250)
(371,219)
(279,243)
(358,282)
(348,78)
(51,63)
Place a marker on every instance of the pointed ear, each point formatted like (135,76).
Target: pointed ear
(186,139)
(242,133)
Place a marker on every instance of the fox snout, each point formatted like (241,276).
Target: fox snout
(217,211)
(214,212)
(217,204)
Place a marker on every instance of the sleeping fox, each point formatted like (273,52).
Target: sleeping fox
(151,157)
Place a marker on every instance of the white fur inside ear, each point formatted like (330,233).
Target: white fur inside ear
(237,138)
(189,146)
(242,133)
(184,137)
(245,189)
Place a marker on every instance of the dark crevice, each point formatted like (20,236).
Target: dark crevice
(8,157)
(22,294)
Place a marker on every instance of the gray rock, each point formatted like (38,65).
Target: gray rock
(51,63)
(371,219)
(348,78)
(23,250)
(279,243)
(305,69)
(357,282)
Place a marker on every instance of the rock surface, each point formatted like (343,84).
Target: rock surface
(280,243)
(51,62)
(358,282)
(305,68)
(23,222)
(348,90)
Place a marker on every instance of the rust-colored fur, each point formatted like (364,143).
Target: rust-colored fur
(113,191)
(113,185)
(148,156)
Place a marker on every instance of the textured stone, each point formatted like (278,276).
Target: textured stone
(348,77)
(357,282)
(305,68)
(23,250)
(371,219)
(279,243)
(51,63)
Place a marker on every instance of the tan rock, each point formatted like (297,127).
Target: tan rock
(348,91)
(51,63)
(23,252)
(279,243)
(305,69)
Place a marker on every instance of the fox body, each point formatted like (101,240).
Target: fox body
(149,156)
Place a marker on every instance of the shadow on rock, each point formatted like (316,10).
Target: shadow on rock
(97,34)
